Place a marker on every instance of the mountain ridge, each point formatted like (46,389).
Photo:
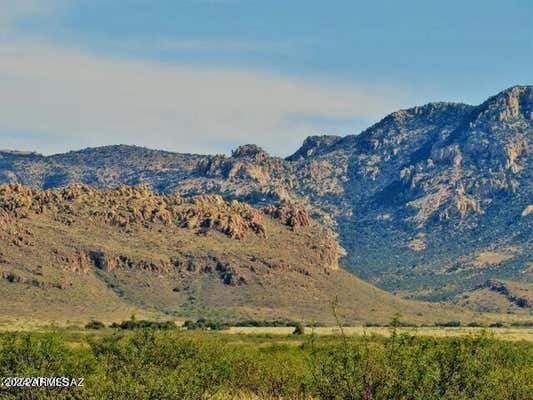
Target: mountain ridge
(79,253)
(406,183)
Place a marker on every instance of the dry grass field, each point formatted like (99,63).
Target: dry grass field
(510,333)
(504,333)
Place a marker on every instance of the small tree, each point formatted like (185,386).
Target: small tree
(94,325)
(299,329)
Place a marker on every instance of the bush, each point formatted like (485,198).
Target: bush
(423,368)
(525,324)
(44,354)
(299,329)
(266,323)
(206,324)
(144,324)
(452,324)
(164,365)
(94,325)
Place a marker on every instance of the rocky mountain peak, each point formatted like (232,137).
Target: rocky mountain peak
(430,113)
(314,145)
(515,103)
(249,151)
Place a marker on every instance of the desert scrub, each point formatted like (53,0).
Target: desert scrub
(272,372)
(148,364)
(45,355)
(152,364)
(406,367)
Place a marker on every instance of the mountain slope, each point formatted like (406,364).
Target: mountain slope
(447,201)
(416,199)
(78,252)
(500,296)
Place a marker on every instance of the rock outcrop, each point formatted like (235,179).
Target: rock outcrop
(127,206)
(288,214)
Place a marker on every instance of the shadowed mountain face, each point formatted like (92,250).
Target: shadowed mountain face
(418,200)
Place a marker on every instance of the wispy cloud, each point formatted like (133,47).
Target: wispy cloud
(65,96)
(102,100)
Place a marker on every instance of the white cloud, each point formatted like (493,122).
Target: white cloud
(95,99)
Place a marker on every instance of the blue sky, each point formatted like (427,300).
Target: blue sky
(207,75)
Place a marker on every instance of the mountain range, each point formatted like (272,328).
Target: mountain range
(432,203)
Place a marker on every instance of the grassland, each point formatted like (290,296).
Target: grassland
(506,333)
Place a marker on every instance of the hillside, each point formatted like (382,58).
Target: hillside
(500,296)
(77,252)
(418,200)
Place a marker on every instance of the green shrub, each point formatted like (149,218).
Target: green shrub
(299,329)
(206,324)
(144,324)
(267,323)
(448,324)
(44,355)
(95,325)
(146,364)
(525,324)
(423,368)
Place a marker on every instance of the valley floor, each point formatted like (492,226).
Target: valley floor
(273,334)
(505,333)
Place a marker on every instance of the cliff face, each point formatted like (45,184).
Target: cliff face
(415,199)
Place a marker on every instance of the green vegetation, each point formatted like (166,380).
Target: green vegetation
(522,323)
(206,324)
(299,329)
(180,364)
(448,323)
(216,325)
(144,324)
(95,325)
